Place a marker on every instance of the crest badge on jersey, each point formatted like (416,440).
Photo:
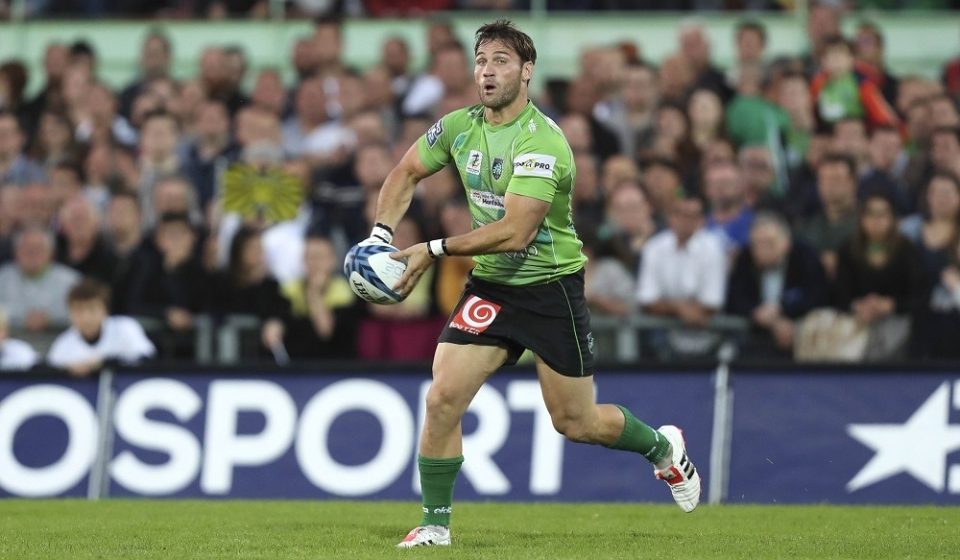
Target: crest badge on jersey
(434,132)
(475,315)
(474,161)
(497,168)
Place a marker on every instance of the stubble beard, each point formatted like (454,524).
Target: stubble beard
(507,95)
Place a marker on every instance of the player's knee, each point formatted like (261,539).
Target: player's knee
(442,401)
(572,428)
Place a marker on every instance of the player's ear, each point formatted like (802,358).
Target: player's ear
(526,72)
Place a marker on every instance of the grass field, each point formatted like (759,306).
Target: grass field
(352,530)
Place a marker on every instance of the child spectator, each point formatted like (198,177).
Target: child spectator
(841,92)
(94,338)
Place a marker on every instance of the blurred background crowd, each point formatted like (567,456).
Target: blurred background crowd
(803,206)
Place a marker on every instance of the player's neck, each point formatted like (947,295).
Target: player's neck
(496,117)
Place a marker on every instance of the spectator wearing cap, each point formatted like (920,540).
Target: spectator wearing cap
(33,288)
(15,355)
(95,338)
(775,281)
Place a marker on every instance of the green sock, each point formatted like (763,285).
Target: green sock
(436,483)
(640,438)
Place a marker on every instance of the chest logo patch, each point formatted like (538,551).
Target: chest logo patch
(474,161)
(497,168)
(535,165)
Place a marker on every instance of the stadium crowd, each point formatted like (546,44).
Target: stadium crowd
(816,196)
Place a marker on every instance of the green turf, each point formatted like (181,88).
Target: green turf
(351,530)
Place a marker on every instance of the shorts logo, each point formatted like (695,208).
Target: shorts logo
(433,134)
(534,165)
(474,161)
(475,315)
(497,168)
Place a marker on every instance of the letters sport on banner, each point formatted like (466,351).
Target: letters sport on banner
(327,436)
(846,438)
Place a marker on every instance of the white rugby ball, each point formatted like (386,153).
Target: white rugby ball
(372,273)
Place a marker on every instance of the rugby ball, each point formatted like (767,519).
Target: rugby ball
(372,273)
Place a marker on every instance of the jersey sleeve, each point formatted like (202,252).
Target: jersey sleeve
(435,145)
(539,163)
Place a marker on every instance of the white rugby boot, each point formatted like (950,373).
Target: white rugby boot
(427,535)
(681,476)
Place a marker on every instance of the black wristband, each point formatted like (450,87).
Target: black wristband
(384,226)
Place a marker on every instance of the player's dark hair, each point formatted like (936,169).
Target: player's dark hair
(88,289)
(505,31)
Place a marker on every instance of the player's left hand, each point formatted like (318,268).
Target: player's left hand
(418,261)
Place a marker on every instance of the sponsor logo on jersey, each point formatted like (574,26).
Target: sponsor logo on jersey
(497,168)
(486,199)
(475,315)
(474,161)
(433,134)
(535,165)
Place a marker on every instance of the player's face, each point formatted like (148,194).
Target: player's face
(499,74)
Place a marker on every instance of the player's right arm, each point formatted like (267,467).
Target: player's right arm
(397,191)
(429,154)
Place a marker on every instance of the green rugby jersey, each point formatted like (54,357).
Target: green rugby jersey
(528,156)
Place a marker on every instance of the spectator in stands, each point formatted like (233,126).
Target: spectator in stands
(405,331)
(33,289)
(868,46)
(706,117)
(15,355)
(683,275)
(759,174)
(774,283)
(95,338)
(175,195)
(324,311)
(97,120)
(15,167)
(750,41)
(268,92)
(156,53)
(13,82)
(631,117)
(829,229)
(452,66)
(170,284)
(628,226)
(823,25)
(879,273)
(884,172)
(850,138)
(945,149)
(730,216)
(124,232)
(793,96)
(158,156)
(661,177)
(695,48)
(576,128)
(939,325)
(247,288)
(56,59)
(82,246)
(65,181)
(676,78)
(9,219)
(588,195)
(55,142)
(842,92)
(617,169)
(672,140)
(210,152)
(310,131)
(395,59)
(110,168)
(581,99)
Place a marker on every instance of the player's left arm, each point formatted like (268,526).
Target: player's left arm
(522,218)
